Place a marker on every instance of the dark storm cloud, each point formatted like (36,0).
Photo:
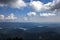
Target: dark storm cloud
(6,1)
(56,5)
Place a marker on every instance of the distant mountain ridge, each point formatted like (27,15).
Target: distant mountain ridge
(33,31)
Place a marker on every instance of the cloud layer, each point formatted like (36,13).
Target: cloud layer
(36,5)
(32,17)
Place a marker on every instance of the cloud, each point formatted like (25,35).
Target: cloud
(11,17)
(6,1)
(2,5)
(39,6)
(47,14)
(31,14)
(1,17)
(18,4)
(36,5)
(13,3)
(50,17)
(55,4)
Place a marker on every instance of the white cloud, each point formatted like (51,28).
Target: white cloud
(13,4)
(47,14)
(1,17)
(39,6)
(11,17)
(18,4)
(47,6)
(31,14)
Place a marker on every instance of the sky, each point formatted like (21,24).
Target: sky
(29,11)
